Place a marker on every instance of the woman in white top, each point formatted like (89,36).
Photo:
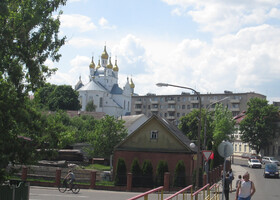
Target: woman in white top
(245,189)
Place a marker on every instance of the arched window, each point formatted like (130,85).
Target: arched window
(124,104)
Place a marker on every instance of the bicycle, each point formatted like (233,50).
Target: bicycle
(64,186)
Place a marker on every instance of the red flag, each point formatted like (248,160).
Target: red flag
(211,156)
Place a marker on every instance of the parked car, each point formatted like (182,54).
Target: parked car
(256,157)
(245,155)
(254,163)
(271,170)
(267,159)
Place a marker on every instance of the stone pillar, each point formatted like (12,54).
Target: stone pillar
(92,179)
(204,179)
(166,181)
(129,182)
(24,173)
(57,176)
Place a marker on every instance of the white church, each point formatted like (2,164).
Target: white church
(103,88)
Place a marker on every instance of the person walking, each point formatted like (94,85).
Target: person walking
(238,181)
(227,185)
(245,189)
(231,176)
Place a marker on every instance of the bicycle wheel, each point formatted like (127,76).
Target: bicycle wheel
(62,188)
(75,189)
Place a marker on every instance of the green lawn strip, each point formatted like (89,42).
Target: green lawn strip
(97,167)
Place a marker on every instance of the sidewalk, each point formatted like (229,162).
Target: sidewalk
(237,170)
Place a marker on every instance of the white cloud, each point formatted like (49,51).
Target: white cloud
(104,24)
(220,17)
(80,42)
(81,22)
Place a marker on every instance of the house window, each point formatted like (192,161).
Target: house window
(154,134)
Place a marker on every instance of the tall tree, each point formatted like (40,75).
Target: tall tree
(258,127)
(108,133)
(53,97)
(28,37)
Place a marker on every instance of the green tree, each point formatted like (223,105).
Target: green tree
(136,173)
(29,33)
(180,174)
(258,127)
(120,176)
(62,97)
(161,169)
(189,124)
(147,170)
(90,106)
(223,126)
(108,132)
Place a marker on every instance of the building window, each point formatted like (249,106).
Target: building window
(183,107)
(245,148)
(154,134)
(240,148)
(178,114)
(235,147)
(124,104)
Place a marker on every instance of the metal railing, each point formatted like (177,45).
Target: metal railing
(182,192)
(145,195)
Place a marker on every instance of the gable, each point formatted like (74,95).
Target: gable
(153,136)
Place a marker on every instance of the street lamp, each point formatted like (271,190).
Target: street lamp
(204,144)
(199,124)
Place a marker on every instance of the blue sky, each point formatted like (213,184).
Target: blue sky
(210,46)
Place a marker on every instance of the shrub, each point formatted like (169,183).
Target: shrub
(136,173)
(161,169)
(147,170)
(120,177)
(180,174)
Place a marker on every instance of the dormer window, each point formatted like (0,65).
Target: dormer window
(154,134)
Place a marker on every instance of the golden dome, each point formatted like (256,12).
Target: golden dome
(98,66)
(131,83)
(92,65)
(104,55)
(110,66)
(116,68)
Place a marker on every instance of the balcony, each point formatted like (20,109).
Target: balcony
(171,109)
(138,102)
(137,109)
(154,109)
(234,109)
(154,102)
(234,100)
(195,101)
(170,117)
(171,101)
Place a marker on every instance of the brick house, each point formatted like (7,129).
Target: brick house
(156,139)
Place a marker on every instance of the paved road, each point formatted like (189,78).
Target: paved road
(266,188)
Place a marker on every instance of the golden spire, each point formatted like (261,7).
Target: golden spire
(104,55)
(131,83)
(110,66)
(92,65)
(98,66)
(116,68)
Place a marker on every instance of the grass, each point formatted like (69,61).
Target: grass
(105,183)
(98,167)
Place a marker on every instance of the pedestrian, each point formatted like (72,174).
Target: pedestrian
(246,188)
(238,181)
(231,176)
(226,186)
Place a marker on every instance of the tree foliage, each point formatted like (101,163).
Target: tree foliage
(62,97)
(147,170)
(180,174)
(258,127)
(28,37)
(90,106)
(136,173)
(120,176)
(162,167)
(108,132)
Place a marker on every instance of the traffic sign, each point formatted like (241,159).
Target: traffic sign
(207,154)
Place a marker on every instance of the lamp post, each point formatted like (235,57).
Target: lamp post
(199,124)
(204,144)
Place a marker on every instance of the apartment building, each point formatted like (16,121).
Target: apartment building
(172,107)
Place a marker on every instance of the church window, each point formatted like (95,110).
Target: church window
(101,102)
(128,105)
(154,134)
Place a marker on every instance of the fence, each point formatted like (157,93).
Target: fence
(182,192)
(148,194)
(16,190)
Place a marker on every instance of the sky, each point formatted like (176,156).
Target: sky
(210,46)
